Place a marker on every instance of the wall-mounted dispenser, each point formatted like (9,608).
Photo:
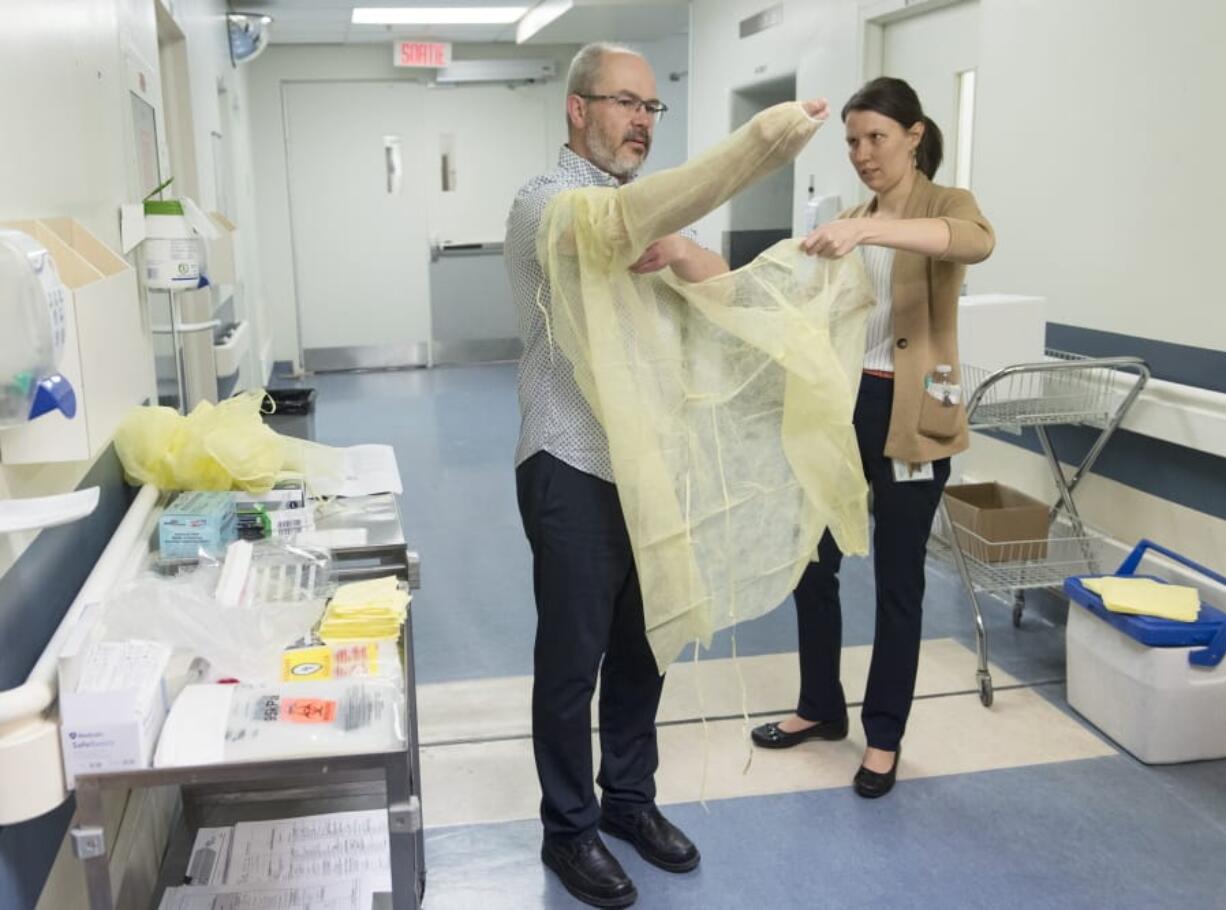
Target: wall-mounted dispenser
(32,308)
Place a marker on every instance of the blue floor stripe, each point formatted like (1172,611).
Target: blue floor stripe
(1089,834)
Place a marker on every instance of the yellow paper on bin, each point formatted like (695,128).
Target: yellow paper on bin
(371,610)
(1146,597)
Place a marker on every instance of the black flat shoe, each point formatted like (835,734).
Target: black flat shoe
(872,784)
(769,736)
(657,840)
(590,872)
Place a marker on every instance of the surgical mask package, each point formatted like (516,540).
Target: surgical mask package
(283,511)
(727,403)
(195,522)
(289,493)
(219,723)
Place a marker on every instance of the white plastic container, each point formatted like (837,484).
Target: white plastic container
(999,330)
(228,355)
(1149,700)
(820,210)
(173,251)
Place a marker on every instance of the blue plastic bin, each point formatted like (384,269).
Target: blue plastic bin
(1207,634)
(1155,686)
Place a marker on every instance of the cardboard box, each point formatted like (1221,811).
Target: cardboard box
(995,523)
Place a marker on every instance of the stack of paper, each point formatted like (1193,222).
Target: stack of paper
(336,861)
(344,894)
(364,470)
(366,611)
(1146,597)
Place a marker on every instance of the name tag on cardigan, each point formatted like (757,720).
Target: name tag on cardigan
(908,471)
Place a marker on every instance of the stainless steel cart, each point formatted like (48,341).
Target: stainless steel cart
(223,794)
(1065,389)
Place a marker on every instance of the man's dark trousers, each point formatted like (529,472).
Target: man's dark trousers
(588,606)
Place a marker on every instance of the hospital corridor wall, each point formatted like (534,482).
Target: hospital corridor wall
(1097,208)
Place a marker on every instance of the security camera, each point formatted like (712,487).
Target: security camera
(248,35)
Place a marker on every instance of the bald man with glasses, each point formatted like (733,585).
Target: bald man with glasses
(589,608)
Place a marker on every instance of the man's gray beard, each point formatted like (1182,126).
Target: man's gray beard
(606,159)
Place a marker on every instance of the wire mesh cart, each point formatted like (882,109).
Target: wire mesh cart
(1065,389)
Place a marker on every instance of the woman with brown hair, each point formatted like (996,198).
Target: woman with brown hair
(916,239)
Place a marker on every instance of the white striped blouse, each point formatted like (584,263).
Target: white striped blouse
(879,351)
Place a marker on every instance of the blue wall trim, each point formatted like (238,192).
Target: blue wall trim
(1176,473)
(34,595)
(1163,469)
(26,854)
(1200,367)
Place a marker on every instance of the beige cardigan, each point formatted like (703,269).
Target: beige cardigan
(925,313)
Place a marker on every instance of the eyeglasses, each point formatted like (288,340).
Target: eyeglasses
(631,105)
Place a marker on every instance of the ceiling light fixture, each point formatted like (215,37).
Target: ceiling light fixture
(540,16)
(434,15)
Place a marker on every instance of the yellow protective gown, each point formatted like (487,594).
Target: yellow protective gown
(225,446)
(727,403)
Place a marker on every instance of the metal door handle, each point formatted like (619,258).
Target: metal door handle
(391,159)
(186,328)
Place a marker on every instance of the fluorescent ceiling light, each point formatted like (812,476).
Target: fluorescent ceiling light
(540,16)
(436,15)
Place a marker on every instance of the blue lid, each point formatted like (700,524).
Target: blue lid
(1208,631)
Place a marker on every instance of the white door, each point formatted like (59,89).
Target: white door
(358,215)
(932,51)
(489,140)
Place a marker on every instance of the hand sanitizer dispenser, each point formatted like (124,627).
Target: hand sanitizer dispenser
(32,310)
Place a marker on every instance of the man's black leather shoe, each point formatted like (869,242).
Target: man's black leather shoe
(769,736)
(873,784)
(658,840)
(590,872)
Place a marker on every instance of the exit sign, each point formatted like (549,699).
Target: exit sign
(423,53)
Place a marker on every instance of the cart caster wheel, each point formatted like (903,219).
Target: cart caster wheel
(1019,607)
(985,690)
